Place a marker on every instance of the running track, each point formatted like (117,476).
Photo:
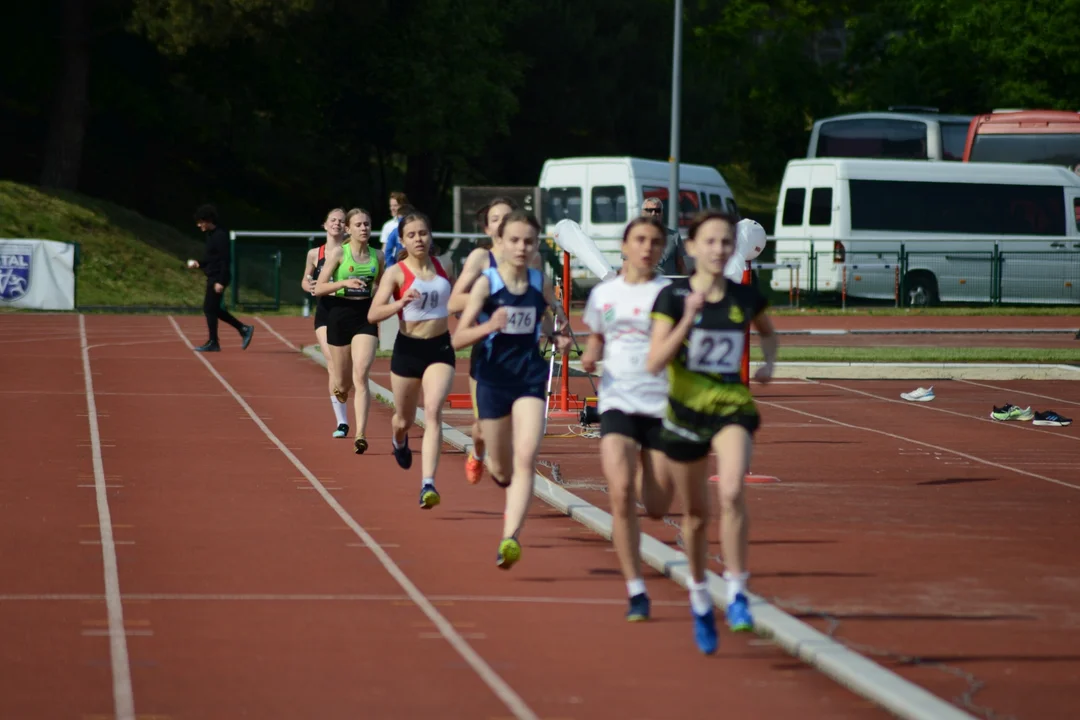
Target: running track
(184,540)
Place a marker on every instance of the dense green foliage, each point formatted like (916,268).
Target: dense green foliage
(279,109)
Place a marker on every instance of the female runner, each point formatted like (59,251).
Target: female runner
(423,358)
(505,310)
(476,263)
(698,333)
(632,401)
(350,275)
(316,258)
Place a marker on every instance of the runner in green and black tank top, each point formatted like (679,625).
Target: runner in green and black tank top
(348,280)
(699,334)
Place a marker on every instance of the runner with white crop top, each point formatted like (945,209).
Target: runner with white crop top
(632,402)
(422,358)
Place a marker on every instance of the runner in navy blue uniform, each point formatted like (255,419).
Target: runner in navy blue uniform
(316,258)
(506,309)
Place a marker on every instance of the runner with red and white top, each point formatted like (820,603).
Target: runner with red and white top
(334,225)
(423,358)
(632,401)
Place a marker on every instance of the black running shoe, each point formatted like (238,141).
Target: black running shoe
(209,347)
(246,334)
(403,454)
(1051,419)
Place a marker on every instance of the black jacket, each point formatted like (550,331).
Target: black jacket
(215,262)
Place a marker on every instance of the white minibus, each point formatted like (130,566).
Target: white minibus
(954,223)
(602,194)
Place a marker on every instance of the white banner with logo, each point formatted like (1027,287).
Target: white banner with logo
(38,274)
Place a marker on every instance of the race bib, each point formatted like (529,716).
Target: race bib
(718,352)
(520,321)
(364,292)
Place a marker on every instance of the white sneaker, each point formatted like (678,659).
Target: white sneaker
(919,395)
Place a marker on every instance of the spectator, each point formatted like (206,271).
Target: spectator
(674,260)
(392,244)
(216,263)
(397,202)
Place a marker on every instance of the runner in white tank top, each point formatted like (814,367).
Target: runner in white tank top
(423,358)
(632,401)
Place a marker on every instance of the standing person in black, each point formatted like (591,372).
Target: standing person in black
(215,264)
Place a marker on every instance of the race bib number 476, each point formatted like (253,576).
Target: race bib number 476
(718,352)
(520,320)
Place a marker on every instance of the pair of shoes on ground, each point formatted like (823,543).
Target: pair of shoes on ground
(1047,418)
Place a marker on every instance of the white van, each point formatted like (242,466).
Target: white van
(900,134)
(953,221)
(602,194)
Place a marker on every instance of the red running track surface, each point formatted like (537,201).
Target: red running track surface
(244,590)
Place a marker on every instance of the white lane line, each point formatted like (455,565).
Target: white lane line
(1016,425)
(276,334)
(894,436)
(264,597)
(1021,392)
(123,696)
(511,699)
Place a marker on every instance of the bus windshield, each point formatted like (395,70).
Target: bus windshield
(1036,148)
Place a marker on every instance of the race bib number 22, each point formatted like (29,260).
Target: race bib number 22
(718,352)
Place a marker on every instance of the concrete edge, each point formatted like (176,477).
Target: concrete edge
(855,672)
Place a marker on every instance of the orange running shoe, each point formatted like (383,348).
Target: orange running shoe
(474,469)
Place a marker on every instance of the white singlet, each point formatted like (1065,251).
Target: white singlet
(434,299)
(621,313)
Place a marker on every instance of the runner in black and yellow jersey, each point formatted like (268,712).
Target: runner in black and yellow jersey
(349,277)
(698,333)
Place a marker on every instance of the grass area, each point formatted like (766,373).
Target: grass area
(974,311)
(812,353)
(126,260)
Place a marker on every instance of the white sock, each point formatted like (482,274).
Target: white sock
(428,481)
(478,456)
(635,587)
(736,583)
(341,411)
(700,602)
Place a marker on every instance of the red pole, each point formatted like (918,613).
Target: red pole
(747,277)
(564,385)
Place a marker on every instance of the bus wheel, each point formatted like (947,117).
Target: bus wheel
(921,289)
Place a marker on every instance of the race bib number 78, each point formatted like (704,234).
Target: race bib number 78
(718,352)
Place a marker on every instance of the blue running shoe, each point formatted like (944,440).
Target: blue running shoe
(739,618)
(429,497)
(705,634)
(639,608)
(403,454)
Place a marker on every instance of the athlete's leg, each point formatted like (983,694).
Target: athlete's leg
(363,354)
(690,481)
(341,381)
(654,483)
(406,396)
(733,446)
(500,447)
(436,383)
(474,461)
(528,430)
(324,348)
(618,458)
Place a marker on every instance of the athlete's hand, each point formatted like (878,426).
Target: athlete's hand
(589,360)
(563,343)
(693,303)
(218,287)
(309,284)
(499,318)
(408,297)
(354,284)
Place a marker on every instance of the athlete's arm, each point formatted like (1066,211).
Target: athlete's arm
(467,333)
(381,306)
(594,345)
(459,296)
(325,285)
(667,333)
(769,346)
(555,305)
(309,269)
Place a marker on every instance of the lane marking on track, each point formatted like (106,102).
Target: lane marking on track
(894,436)
(513,702)
(123,696)
(1020,392)
(393,599)
(926,406)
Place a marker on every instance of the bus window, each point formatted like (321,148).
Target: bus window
(562,203)
(953,139)
(794,201)
(609,204)
(688,203)
(1039,149)
(873,138)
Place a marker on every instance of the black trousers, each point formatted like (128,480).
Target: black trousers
(213,311)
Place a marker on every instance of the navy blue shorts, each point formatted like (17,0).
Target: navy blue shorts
(496,401)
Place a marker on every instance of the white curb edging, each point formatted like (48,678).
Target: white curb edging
(857,673)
